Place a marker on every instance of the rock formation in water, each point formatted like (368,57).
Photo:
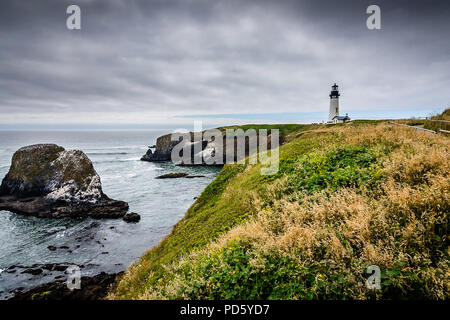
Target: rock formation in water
(163,149)
(164,146)
(173,175)
(45,180)
(131,217)
(176,175)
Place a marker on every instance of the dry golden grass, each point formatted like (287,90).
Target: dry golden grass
(401,226)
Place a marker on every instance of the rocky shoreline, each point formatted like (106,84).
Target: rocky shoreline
(44,208)
(92,288)
(46,181)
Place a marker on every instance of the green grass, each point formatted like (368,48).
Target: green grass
(350,162)
(212,214)
(231,276)
(346,166)
(284,129)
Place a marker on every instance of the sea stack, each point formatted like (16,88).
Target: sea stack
(163,149)
(45,180)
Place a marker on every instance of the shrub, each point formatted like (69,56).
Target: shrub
(344,167)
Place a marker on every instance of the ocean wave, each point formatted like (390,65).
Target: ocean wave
(126,147)
(117,160)
(130,159)
(117,148)
(106,153)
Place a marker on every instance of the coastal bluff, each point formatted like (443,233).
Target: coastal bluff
(164,146)
(45,180)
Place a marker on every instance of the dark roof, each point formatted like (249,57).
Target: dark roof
(341,117)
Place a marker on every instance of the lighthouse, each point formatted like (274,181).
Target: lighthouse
(333,116)
(334,104)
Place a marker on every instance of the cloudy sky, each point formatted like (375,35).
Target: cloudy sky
(160,64)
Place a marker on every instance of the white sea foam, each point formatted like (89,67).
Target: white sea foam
(130,159)
(107,153)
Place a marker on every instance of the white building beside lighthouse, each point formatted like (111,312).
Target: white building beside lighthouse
(333,115)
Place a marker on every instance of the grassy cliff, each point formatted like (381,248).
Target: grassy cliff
(345,197)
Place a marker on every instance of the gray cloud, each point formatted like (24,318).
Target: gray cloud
(150,61)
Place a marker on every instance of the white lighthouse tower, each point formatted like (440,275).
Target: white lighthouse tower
(334,104)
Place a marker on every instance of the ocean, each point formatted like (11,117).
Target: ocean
(106,245)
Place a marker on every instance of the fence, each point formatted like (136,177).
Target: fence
(425,124)
(413,127)
(438,125)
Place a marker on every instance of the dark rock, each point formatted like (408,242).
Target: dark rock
(92,288)
(48,266)
(51,248)
(147,156)
(177,175)
(59,267)
(33,271)
(92,225)
(132,217)
(163,149)
(47,181)
(173,175)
